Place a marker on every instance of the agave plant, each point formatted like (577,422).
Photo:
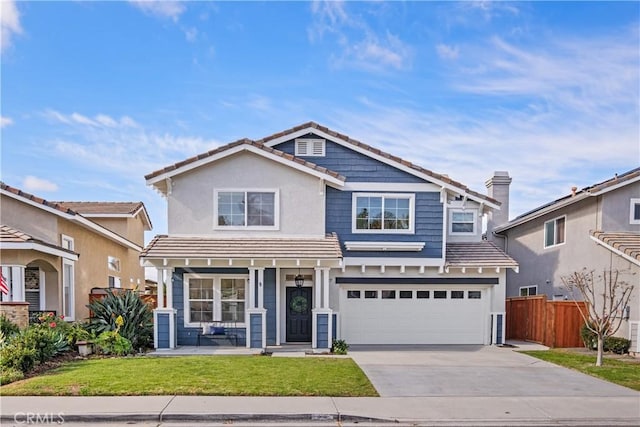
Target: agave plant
(137,318)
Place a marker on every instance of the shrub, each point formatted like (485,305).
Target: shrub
(111,342)
(17,355)
(339,347)
(589,338)
(7,327)
(617,345)
(136,314)
(9,375)
(79,331)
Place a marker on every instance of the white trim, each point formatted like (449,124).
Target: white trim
(246,147)
(426,187)
(43,294)
(246,227)
(40,248)
(393,262)
(632,205)
(142,209)
(412,213)
(474,221)
(384,246)
(544,232)
(380,158)
(69,240)
(311,144)
(637,338)
(217,296)
(528,292)
(615,251)
(72,284)
(278,304)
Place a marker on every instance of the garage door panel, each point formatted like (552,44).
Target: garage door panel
(413,321)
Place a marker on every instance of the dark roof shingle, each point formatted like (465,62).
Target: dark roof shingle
(477,254)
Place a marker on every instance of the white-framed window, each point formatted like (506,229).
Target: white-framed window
(634,211)
(463,221)
(211,298)
(68,285)
(67,242)
(310,147)
(114,282)
(241,209)
(383,213)
(554,232)
(525,291)
(113,263)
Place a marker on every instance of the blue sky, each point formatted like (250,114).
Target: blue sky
(97,94)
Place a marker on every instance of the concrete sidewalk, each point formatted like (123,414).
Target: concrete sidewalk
(538,411)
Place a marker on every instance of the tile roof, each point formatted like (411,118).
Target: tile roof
(626,242)
(164,246)
(108,208)
(41,201)
(347,139)
(477,254)
(240,142)
(12,235)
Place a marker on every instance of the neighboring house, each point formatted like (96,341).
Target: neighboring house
(308,235)
(53,253)
(597,228)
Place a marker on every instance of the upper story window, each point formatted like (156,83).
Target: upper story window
(67,242)
(526,291)
(113,263)
(634,214)
(310,147)
(383,213)
(554,232)
(241,209)
(462,221)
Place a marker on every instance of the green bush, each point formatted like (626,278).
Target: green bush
(17,354)
(9,375)
(79,331)
(339,347)
(617,345)
(111,342)
(136,314)
(589,338)
(7,327)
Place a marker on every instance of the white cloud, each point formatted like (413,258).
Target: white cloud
(360,46)
(191,34)
(9,23)
(447,52)
(161,8)
(5,121)
(83,120)
(36,185)
(99,120)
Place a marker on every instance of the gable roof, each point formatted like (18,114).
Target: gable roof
(384,157)
(157,178)
(62,211)
(11,238)
(625,244)
(265,145)
(598,189)
(109,210)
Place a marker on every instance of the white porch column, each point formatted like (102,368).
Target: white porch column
(325,288)
(316,288)
(160,272)
(252,288)
(14,275)
(261,288)
(168,280)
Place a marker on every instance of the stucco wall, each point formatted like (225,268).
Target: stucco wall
(190,205)
(29,219)
(616,209)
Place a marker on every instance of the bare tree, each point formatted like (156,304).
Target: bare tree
(604,298)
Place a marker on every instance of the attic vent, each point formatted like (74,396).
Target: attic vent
(310,147)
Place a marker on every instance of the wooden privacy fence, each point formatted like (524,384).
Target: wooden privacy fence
(551,323)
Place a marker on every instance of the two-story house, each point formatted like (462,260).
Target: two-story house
(308,235)
(53,253)
(597,228)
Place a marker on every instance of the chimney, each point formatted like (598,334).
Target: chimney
(498,188)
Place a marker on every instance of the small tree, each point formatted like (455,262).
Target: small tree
(604,297)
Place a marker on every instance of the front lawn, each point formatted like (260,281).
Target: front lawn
(623,372)
(199,375)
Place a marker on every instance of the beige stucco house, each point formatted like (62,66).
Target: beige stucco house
(53,253)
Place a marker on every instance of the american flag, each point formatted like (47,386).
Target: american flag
(4,287)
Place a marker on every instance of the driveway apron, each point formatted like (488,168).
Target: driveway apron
(467,370)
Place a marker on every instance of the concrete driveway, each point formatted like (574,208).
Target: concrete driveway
(470,370)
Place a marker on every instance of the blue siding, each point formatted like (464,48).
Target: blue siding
(499,330)
(354,166)
(428,226)
(162,327)
(256,330)
(270,304)
(189,336)
(322,331)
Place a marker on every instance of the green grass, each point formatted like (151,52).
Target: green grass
(624,373)
(199,375)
